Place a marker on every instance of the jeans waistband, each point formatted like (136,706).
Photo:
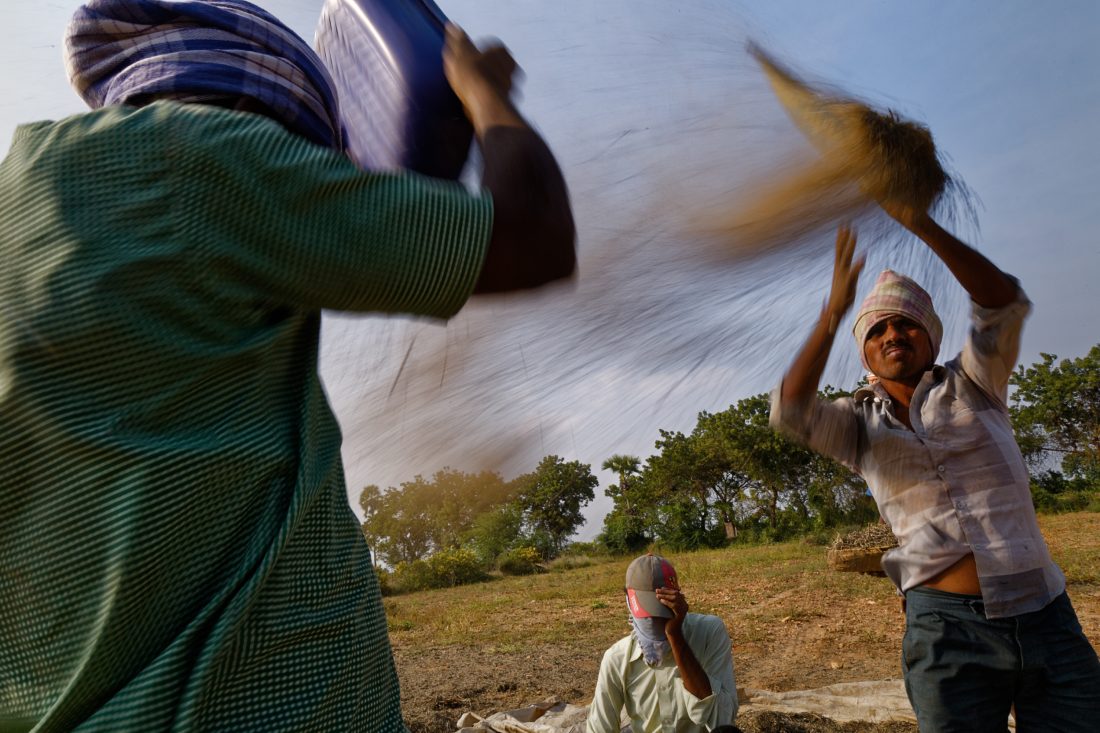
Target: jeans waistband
(973,602)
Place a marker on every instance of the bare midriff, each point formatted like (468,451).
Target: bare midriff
(962,577)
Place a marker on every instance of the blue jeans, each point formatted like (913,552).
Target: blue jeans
(964,672)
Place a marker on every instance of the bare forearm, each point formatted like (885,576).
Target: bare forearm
(692,674)
(987,285)
(801,380)
(533,235)
(804,375)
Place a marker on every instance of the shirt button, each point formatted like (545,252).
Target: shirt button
(940,468)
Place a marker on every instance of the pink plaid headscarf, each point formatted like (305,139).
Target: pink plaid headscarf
(892,295)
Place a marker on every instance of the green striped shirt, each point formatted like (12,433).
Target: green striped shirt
(177,549)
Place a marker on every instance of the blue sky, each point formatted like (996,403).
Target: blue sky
(646,102)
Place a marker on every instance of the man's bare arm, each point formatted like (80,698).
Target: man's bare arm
(532,241)
(802,378)
(692,674)
(986,284)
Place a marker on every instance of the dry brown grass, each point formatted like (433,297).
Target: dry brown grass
(794,624)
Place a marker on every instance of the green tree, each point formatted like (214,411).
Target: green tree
(1055,411)
(680,480)
(426,516)
(552,498)
(732,472)
(627,467)
(443,569)
(733,465)
(495,532)
(625,526)
(624,533)
(757,462)
(397,530)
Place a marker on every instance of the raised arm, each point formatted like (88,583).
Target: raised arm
(987,285)
(532,241)
(692,674)
(802,378)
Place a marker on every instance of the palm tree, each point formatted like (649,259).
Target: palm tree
(625,466)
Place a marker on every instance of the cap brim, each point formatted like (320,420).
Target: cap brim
(644,604)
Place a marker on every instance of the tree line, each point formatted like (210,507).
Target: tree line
(455,526)
(731,479)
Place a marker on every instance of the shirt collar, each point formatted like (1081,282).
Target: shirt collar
(871,391)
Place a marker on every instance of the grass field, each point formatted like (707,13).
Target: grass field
(795,624)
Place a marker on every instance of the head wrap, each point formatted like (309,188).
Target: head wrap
(895,295)
(197,50)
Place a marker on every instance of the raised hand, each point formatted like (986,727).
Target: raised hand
(673,598)
(482,80)
(845,276)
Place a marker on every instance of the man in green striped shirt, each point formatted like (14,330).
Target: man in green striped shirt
(177,550)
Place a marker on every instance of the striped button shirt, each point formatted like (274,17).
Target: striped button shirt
(176,548)
(954,484)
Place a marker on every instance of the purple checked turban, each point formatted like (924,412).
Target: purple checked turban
(196,50)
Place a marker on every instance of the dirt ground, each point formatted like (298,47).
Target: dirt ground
(818,645)
(772,722)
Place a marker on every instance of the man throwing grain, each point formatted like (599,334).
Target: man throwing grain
(988,623)
(674,672)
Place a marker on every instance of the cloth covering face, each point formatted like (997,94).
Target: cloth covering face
(649,633)
(654,697)
(117,50)
(176,527)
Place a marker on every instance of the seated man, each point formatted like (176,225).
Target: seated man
(689,689)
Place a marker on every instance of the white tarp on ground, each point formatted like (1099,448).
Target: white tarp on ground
(551,716)
(877,701)
(873,702)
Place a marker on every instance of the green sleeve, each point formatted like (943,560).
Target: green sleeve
(287,220)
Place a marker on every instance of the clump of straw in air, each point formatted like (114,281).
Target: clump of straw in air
(865,157)
(902,165)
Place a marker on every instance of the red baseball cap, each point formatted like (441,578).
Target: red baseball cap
(645,575)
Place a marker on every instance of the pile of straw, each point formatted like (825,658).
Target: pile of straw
(873,536)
